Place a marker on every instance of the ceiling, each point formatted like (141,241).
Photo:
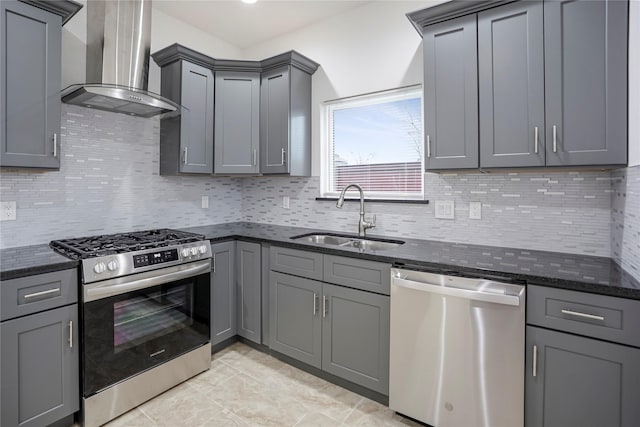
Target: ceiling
(245,25)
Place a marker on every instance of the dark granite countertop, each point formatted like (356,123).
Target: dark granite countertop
(29,260)
(599,275)
(592,274)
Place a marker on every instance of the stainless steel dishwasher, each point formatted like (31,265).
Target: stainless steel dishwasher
(457,350)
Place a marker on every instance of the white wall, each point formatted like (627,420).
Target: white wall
(368,49)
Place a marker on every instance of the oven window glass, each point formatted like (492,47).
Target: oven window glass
(146,317)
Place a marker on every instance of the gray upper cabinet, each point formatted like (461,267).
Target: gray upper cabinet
(249,290)
(451,94)
(237,121)
(585,56)
(511,84)
(275,120)
(186,140)
(580,381)
(223,292)
(551,83)
(30,49)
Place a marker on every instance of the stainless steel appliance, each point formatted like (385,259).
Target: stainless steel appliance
(457,350)
(145,316)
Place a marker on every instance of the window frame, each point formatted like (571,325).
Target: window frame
(326,143)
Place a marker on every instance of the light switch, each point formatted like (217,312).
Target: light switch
(205,202)
(445,209)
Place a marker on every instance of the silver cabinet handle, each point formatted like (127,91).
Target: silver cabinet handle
(55,145)
(283,157)
(428,146)
(324,306)
(70,333)
(315,303)
(186,155)
(254,157)
(213,263)
(555,138)
(535,139)
(535,361)
(41,293)
(585,315)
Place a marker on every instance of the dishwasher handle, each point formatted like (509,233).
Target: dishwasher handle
(476,295)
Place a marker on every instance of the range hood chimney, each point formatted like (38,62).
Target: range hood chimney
(118,46)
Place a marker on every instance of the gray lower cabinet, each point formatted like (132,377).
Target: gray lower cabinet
(295,324)
(355,336)
(40,367)
(578,381)
(30,51)
(249,290)
(237,122)
(186,140)
(511,84)
(223,292)
(585,60)
(451,94)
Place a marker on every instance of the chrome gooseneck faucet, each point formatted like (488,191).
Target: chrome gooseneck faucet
(363,224)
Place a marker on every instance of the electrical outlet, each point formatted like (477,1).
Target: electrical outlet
(205,202)
(475,210)
(7,211)
(445,209)
(285,202)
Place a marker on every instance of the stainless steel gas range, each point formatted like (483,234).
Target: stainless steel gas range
(145,316)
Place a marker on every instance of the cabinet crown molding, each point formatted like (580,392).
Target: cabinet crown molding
(64,8)
(176,52)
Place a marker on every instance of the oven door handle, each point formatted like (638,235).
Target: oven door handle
(119,286)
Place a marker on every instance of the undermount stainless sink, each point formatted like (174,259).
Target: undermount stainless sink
(349,241)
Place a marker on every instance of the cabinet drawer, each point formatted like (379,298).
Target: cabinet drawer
(32,294)
(297,262)
(357,273)
(598,316)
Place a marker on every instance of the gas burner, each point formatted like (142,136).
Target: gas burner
(111,244)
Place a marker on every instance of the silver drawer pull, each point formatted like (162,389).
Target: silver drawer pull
(428,146)
(283,157)
(41,294)
(185,158)
(55,145)
(157,353)
(585,315)
(324,306)
(315,303)
(535,361)
(555,138)
(535,139)
(70,333)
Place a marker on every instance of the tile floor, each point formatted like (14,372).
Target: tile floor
(246,387)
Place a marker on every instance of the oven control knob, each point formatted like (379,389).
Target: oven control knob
(99,267)
(194,251)
(185,252)
(203,249)
(113,265)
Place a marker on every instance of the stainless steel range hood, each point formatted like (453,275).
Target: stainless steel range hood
(118,46)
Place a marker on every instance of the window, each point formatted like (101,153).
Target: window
(375,141)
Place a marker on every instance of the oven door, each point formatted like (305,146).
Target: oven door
(133,323)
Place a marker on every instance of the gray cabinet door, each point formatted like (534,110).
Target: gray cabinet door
(237,123)
(39,367)
(249,290)
(223,292)
(355,336)
(275,111)
(451,94)
(30,49)
(511,82)
(585,50)
(296,322)
(196,133)
(580,381)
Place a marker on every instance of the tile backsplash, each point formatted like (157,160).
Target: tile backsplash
(625,219)
(109,182)
(563,211)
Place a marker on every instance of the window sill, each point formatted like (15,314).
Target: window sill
(408,201)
